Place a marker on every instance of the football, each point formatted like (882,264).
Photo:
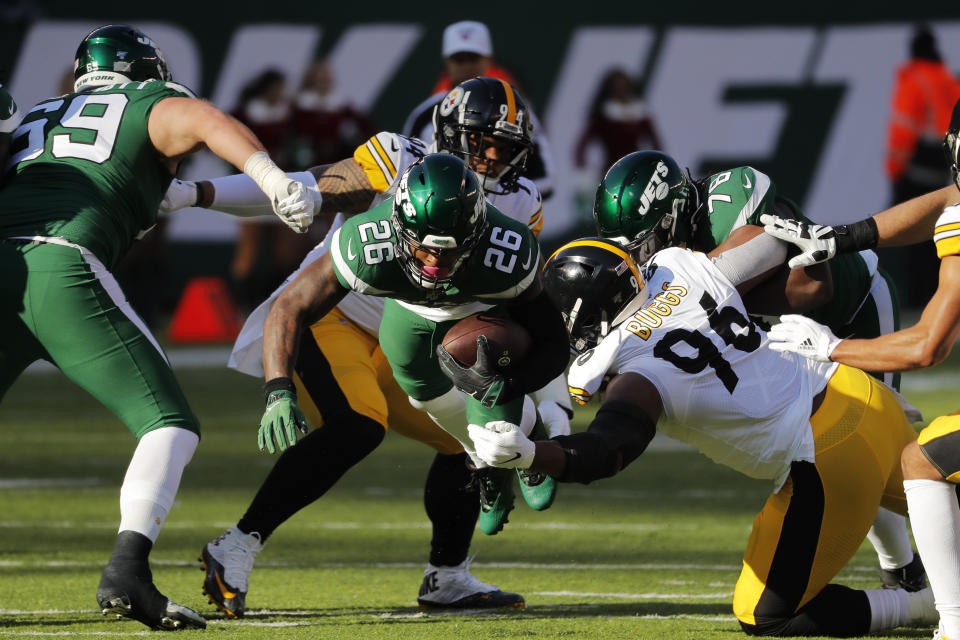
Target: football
(508,341)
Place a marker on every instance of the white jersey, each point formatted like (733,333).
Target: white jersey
(723,391)
(384,158)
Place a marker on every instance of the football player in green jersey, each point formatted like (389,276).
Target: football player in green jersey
(352,398)
(84,180)
(9,119)
(647,201)
(437,252)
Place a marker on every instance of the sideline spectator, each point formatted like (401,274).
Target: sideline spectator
(326,127)
(468,53)
(924,93)
(619,119)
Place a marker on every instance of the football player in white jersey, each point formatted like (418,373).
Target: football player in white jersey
(677,338)
(931,465)
(485,122)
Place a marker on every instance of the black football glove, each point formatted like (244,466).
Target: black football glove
(481,381)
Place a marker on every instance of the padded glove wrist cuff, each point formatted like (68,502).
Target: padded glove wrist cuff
(278,384)
(857,236)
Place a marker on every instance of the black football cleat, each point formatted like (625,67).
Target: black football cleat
(129,592)
(911,577)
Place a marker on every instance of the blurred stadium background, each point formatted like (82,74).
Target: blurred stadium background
(800,91)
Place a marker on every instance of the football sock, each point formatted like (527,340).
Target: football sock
(453,508)
(935,519)
(152,479)
(131,550)
(308,469)
(890,538)
(889,608)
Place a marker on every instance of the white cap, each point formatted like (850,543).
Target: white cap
(467,35)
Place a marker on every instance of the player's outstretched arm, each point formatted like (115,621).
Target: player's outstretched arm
(913,221)
(339,187)
(179,126)
(309,297)
(924,344)
(623,427)
(909,222)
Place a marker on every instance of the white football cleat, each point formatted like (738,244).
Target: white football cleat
(228,561)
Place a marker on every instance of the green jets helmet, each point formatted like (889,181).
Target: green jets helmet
(117,53)
(647,202)
(596,285)
(439,216)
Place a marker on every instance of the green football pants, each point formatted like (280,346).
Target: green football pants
(60,304)
(409,342)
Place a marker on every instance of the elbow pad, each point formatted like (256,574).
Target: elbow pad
(619,433)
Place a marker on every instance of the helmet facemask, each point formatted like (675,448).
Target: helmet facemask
(595,287)
(499,160)
(449,257)
(951,149)
(484,122)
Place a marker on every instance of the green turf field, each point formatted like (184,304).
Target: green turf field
(652,553)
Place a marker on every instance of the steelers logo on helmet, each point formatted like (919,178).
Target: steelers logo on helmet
(451,101)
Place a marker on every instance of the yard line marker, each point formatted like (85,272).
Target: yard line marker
(42,483)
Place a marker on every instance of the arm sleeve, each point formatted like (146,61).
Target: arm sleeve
(751,258)
(239,195)
(550,352)
(617,436)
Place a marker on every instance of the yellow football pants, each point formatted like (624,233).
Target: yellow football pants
(940,443)
(360,376)
(812,526)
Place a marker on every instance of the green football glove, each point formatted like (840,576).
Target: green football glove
(280,422)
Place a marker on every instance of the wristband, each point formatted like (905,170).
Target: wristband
(857,236)
(278,384)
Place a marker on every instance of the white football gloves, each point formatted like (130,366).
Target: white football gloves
(802,335)
(502,444)
(180,194)
(817,242)
(291,201)
(554,418)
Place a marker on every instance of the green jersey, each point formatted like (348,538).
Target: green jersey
(500,267)
(95,148)
(9,115)
(738,197)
